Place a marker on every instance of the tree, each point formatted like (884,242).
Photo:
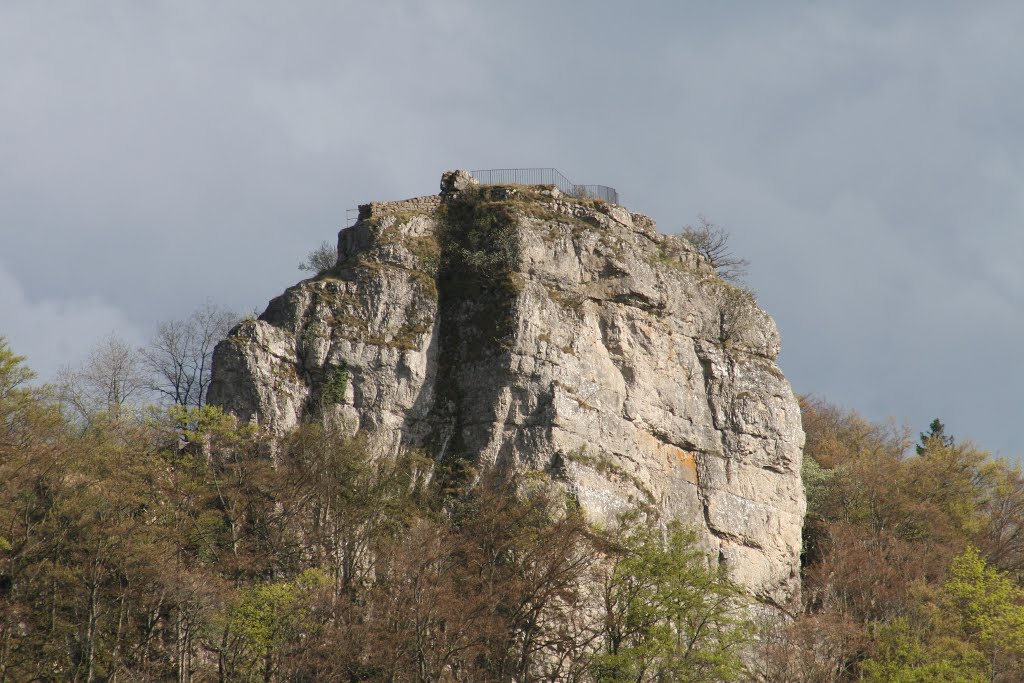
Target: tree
(812,648)
(356,500)
(87,568)
(179,356)
(18,401)
(668,616)
(879,521)
(910,653)
(712,242)
(969,630)
(936,436)
(14,375)
(269,620)
(1001,536)
(987,607)
(111,379)
(321,259)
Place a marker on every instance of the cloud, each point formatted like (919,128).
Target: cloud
(866,157)
(55,332)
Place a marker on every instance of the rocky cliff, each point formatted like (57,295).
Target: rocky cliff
(527,331)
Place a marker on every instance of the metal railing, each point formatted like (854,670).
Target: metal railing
(545,176)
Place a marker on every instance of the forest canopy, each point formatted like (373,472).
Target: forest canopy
(170,543)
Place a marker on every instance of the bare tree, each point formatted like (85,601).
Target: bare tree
(712,242)
(321,259)
(111,378)
(179,355)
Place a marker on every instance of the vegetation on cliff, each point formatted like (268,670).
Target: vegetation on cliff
(167,545)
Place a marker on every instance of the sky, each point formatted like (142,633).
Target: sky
(866,157)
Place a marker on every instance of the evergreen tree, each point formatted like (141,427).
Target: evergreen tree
(936,434)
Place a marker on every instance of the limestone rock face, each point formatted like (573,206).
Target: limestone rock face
(532,332)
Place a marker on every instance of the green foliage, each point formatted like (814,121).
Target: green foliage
(973,631)
(333,392)
(478,236)
(21,405)
(480,251)
(923,552)
(935,437)
(816,481)
(668,615)
(908,655)
(268,616)
(194,422)
(358,501)
(14,374)
(865,478)
(987,604)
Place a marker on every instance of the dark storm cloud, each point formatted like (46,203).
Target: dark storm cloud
(865,156)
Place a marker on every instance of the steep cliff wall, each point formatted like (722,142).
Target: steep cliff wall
(528,331)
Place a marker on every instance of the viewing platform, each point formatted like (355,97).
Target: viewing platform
(545,176)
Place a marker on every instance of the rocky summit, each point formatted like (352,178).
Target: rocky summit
(527,333)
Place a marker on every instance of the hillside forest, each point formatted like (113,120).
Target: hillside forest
(145,536)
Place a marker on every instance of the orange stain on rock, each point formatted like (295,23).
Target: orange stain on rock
(673,457)
(685,459)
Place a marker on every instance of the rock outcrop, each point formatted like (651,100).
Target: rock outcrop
(529,332)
